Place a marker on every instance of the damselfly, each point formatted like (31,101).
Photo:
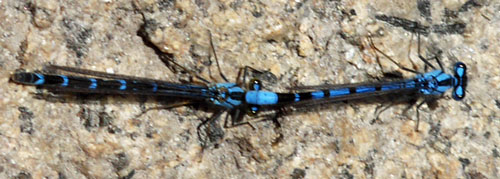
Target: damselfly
(239,101)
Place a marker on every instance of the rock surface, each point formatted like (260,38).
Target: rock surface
(44,135)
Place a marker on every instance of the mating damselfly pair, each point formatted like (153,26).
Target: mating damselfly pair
(239,101)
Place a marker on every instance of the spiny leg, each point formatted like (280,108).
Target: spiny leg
(278,128)
(204,141)
(273,116)
(420,56)
(235,116)
(164,57)
(409,52)
(431,103)
(418,114)
(226,123)
(412,103)
(170,106)
(388,57)
(376,54)
(192,73)
(237,119)
(261,119)
(216,59)
(51,95)
(245,74)
(275,120)
(240,71)
(379,110)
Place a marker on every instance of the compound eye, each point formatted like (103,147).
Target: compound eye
(255,84)
(460,69)
(458,93)
(253,111)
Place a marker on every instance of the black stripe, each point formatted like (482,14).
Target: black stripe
(327,93)
(78,82)
(352,90)
(141,86)
(53,80)
(305,96)
(110,84)
(416,83)
(286,97)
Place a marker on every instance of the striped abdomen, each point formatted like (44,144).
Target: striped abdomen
(341,93)
(97,85)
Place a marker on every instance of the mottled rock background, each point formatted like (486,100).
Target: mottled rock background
(44,135)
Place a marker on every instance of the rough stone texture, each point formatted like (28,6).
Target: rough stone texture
(301,42)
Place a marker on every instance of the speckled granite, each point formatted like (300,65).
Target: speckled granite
(302,43)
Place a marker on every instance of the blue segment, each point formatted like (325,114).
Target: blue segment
(254,108)
(441,89)
(365,89)
(224,85)
(390,87)
(443,77)
(339,92)
(155,87)
(93,83)
(231,103)
(41,79)
(318,94)
(235,89)
(297,97)
(124,84)
(261,97)
(65,80)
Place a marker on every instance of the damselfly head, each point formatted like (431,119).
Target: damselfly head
(460,71)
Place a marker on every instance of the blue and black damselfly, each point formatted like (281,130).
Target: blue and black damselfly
(238,101)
